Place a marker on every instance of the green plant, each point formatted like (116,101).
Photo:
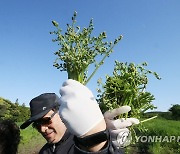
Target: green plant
(78,49)
(127,86)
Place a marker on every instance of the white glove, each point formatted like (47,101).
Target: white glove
(78,108)
(118,128)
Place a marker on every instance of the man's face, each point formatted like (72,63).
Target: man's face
(54,130)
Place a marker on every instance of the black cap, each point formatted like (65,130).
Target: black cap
(41,105)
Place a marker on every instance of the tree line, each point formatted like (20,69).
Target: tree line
(13,111)
(19,113)
(173,113)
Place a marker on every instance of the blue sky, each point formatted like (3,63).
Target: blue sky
(150,32)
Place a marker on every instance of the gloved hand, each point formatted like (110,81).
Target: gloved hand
(78,108)
(119,132)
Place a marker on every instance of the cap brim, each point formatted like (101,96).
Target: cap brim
(34,118)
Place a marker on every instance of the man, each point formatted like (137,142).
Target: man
(72,123)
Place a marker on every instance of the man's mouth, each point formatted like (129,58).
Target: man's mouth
(48,135)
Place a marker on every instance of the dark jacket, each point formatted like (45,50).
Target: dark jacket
(67,146)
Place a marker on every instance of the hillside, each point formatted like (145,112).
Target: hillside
(14,111)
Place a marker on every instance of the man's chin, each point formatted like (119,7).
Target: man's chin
(50,141)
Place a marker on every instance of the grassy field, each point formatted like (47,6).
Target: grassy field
(31,141)
(162,137)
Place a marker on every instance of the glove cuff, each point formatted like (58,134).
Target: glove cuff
(93,139)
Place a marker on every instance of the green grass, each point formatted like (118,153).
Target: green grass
(167,127)
(31,141)
(160,127)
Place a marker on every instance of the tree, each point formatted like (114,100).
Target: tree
(2,109)
(175,110)
(17,102)
(9,110)
(25,112)
(23,105)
